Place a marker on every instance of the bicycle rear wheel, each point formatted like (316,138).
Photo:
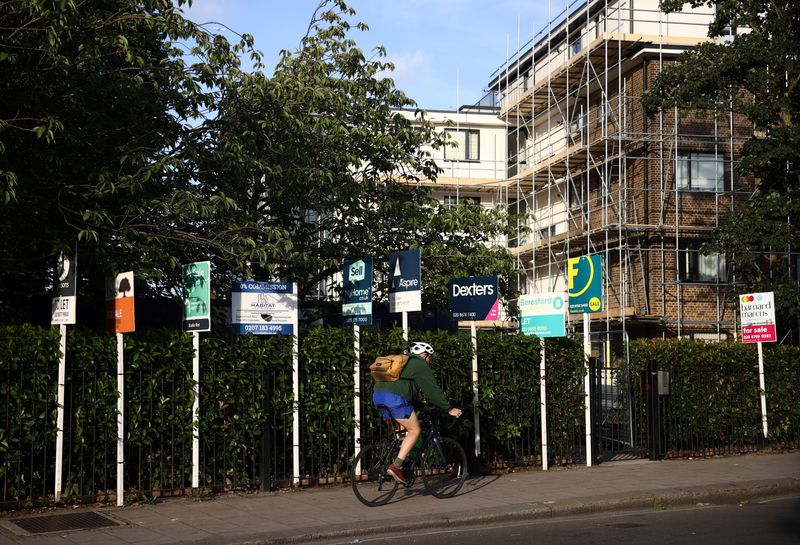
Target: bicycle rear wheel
(371,484)
(444,467)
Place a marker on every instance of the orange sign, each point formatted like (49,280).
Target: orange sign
(120,317)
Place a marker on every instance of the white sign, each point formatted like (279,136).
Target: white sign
(543,314)
(264,308)
(757,312)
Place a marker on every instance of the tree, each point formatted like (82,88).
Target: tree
(136,132)
(331,161)
(755,74)
(97,98)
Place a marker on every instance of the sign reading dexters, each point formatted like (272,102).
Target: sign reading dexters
(758,317)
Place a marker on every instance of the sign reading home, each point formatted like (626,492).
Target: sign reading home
(357,291)
(197,296)
(405,281)
(757,311)
(63,308)
(543,314)
(474,298)
(585,281)
(263,308)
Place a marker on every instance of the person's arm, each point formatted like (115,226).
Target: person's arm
(423,376)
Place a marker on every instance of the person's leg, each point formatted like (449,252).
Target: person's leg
(413,430)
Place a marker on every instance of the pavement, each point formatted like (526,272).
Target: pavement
(298,516)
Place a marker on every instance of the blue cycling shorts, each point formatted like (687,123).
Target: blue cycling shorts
(398,406)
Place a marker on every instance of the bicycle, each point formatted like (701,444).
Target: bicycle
(441,463)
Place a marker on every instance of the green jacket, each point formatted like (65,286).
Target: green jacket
(416,377)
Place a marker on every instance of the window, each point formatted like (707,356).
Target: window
(547,232)
(694,266)
(575,47)
(699,171)
(451,201)
(468,145)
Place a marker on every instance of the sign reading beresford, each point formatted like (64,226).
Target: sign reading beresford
(543,314)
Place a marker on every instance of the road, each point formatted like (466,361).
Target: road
(774,521)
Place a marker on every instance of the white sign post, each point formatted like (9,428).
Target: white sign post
(543,315)
(758,326)
(63,314)
(584,278)
(196,318)
(120,318)
(270,308)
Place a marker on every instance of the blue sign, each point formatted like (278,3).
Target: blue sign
(405,281)
(543,314)
(357,291)
(474,298)
(585,281)
(264,308)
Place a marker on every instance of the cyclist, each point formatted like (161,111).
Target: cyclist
(399,397)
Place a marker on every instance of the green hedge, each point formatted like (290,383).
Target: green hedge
(714,399)
(246,396)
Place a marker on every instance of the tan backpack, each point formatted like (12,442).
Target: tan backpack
(388,368)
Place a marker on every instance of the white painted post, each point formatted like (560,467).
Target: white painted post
(762,386)
(196,411)
(296,394)
(120,421)
(62,377)
(543,397)
(587,353)
(357,394)
(405,326)
(474,335)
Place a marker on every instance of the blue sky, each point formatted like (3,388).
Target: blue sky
(433,43)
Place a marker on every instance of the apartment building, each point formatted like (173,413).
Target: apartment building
(474,168)
(599,176)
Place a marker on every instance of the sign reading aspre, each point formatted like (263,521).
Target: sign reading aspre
(474,298)
(757,312)
(405,281)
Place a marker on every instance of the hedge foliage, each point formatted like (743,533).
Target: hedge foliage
(246,404)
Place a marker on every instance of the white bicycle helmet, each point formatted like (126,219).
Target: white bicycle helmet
(420,348)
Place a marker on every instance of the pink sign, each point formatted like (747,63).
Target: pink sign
(759,333)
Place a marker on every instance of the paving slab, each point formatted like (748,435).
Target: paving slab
(300,515)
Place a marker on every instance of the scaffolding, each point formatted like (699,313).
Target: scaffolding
(600,176)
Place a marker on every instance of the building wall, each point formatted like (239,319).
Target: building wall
(605,177)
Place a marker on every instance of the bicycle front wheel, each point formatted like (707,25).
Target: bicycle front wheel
(444,467)
(371,484)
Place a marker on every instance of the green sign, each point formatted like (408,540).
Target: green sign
(585,281)
(197,296)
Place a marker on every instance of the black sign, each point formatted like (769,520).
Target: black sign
(66,277)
